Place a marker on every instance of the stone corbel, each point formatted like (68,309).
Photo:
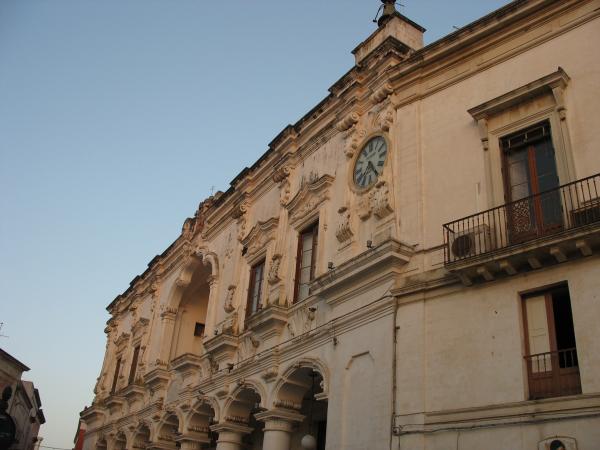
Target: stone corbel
(385,119)
(558,92)
(347,122)
(482,126)
(281,177)
(382,93)
(239,215)
(344,231)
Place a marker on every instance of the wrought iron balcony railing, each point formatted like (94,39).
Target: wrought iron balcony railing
(553,374)
(568,207)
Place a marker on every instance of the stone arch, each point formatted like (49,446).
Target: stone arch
(141,436)
(287,387)
(303,388)
(205,406)
(168,428)
(246,399)
(120,440)
(189,301)
(101,443)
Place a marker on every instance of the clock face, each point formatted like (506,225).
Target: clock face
(370,161)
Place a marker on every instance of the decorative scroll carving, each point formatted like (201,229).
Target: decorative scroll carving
(270,374)
(239,215)
(348,121)
(260,235)
(382,93)
(229,325)
(385,119)
(364,208)
(228,305)
(344,231)
(248,347)
(273,277)
(380,200)
(308,198)
(138,329)
(300,321)
(121,342)
(194,225)
(352,139)
(281,176)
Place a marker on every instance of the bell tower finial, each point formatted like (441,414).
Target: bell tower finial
(389,9)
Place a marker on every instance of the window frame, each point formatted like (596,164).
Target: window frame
(134,364)
(560,383)
(314,230)
(250,307)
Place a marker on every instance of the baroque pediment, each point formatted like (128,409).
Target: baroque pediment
(259,236)
(308,198)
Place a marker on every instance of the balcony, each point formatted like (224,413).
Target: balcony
(543,229)
(553,374)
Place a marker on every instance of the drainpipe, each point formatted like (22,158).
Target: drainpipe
(394,372)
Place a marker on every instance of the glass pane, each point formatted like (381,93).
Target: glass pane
(302,291)
(305,275)
(306,241)
(519,191)
(306,258)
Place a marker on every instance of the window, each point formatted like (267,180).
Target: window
(255,288)
(199,329)
(116,376)
(552,365)
(529,168)
(134,364)
(305,261)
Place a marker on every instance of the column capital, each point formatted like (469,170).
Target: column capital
(279,419)
(231,427)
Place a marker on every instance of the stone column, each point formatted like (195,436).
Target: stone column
(230,435)
(279,425)
(168,324)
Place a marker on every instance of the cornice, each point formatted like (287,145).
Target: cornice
(460,49)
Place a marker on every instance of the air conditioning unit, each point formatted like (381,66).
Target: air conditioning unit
(470,242)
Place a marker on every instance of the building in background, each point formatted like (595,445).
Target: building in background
(412,265)
(24,406)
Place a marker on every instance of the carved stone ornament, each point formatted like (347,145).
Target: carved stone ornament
(248,347)
(273,276)
(239,214)
(281,176)
(121,342)
(348,121)
(228,305)
(270,374)
(300,322)
(352,139)
(260,235)
(229,325)
(382,93)
(385,119)
(308,199)
(344,231)
(380,200)
(138,329)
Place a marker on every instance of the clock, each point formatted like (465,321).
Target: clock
(369,163)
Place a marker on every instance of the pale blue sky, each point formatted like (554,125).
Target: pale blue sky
(116,119)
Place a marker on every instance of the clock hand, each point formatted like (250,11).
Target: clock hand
(372,167)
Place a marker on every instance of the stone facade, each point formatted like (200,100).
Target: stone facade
(24,405)
(442,296)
